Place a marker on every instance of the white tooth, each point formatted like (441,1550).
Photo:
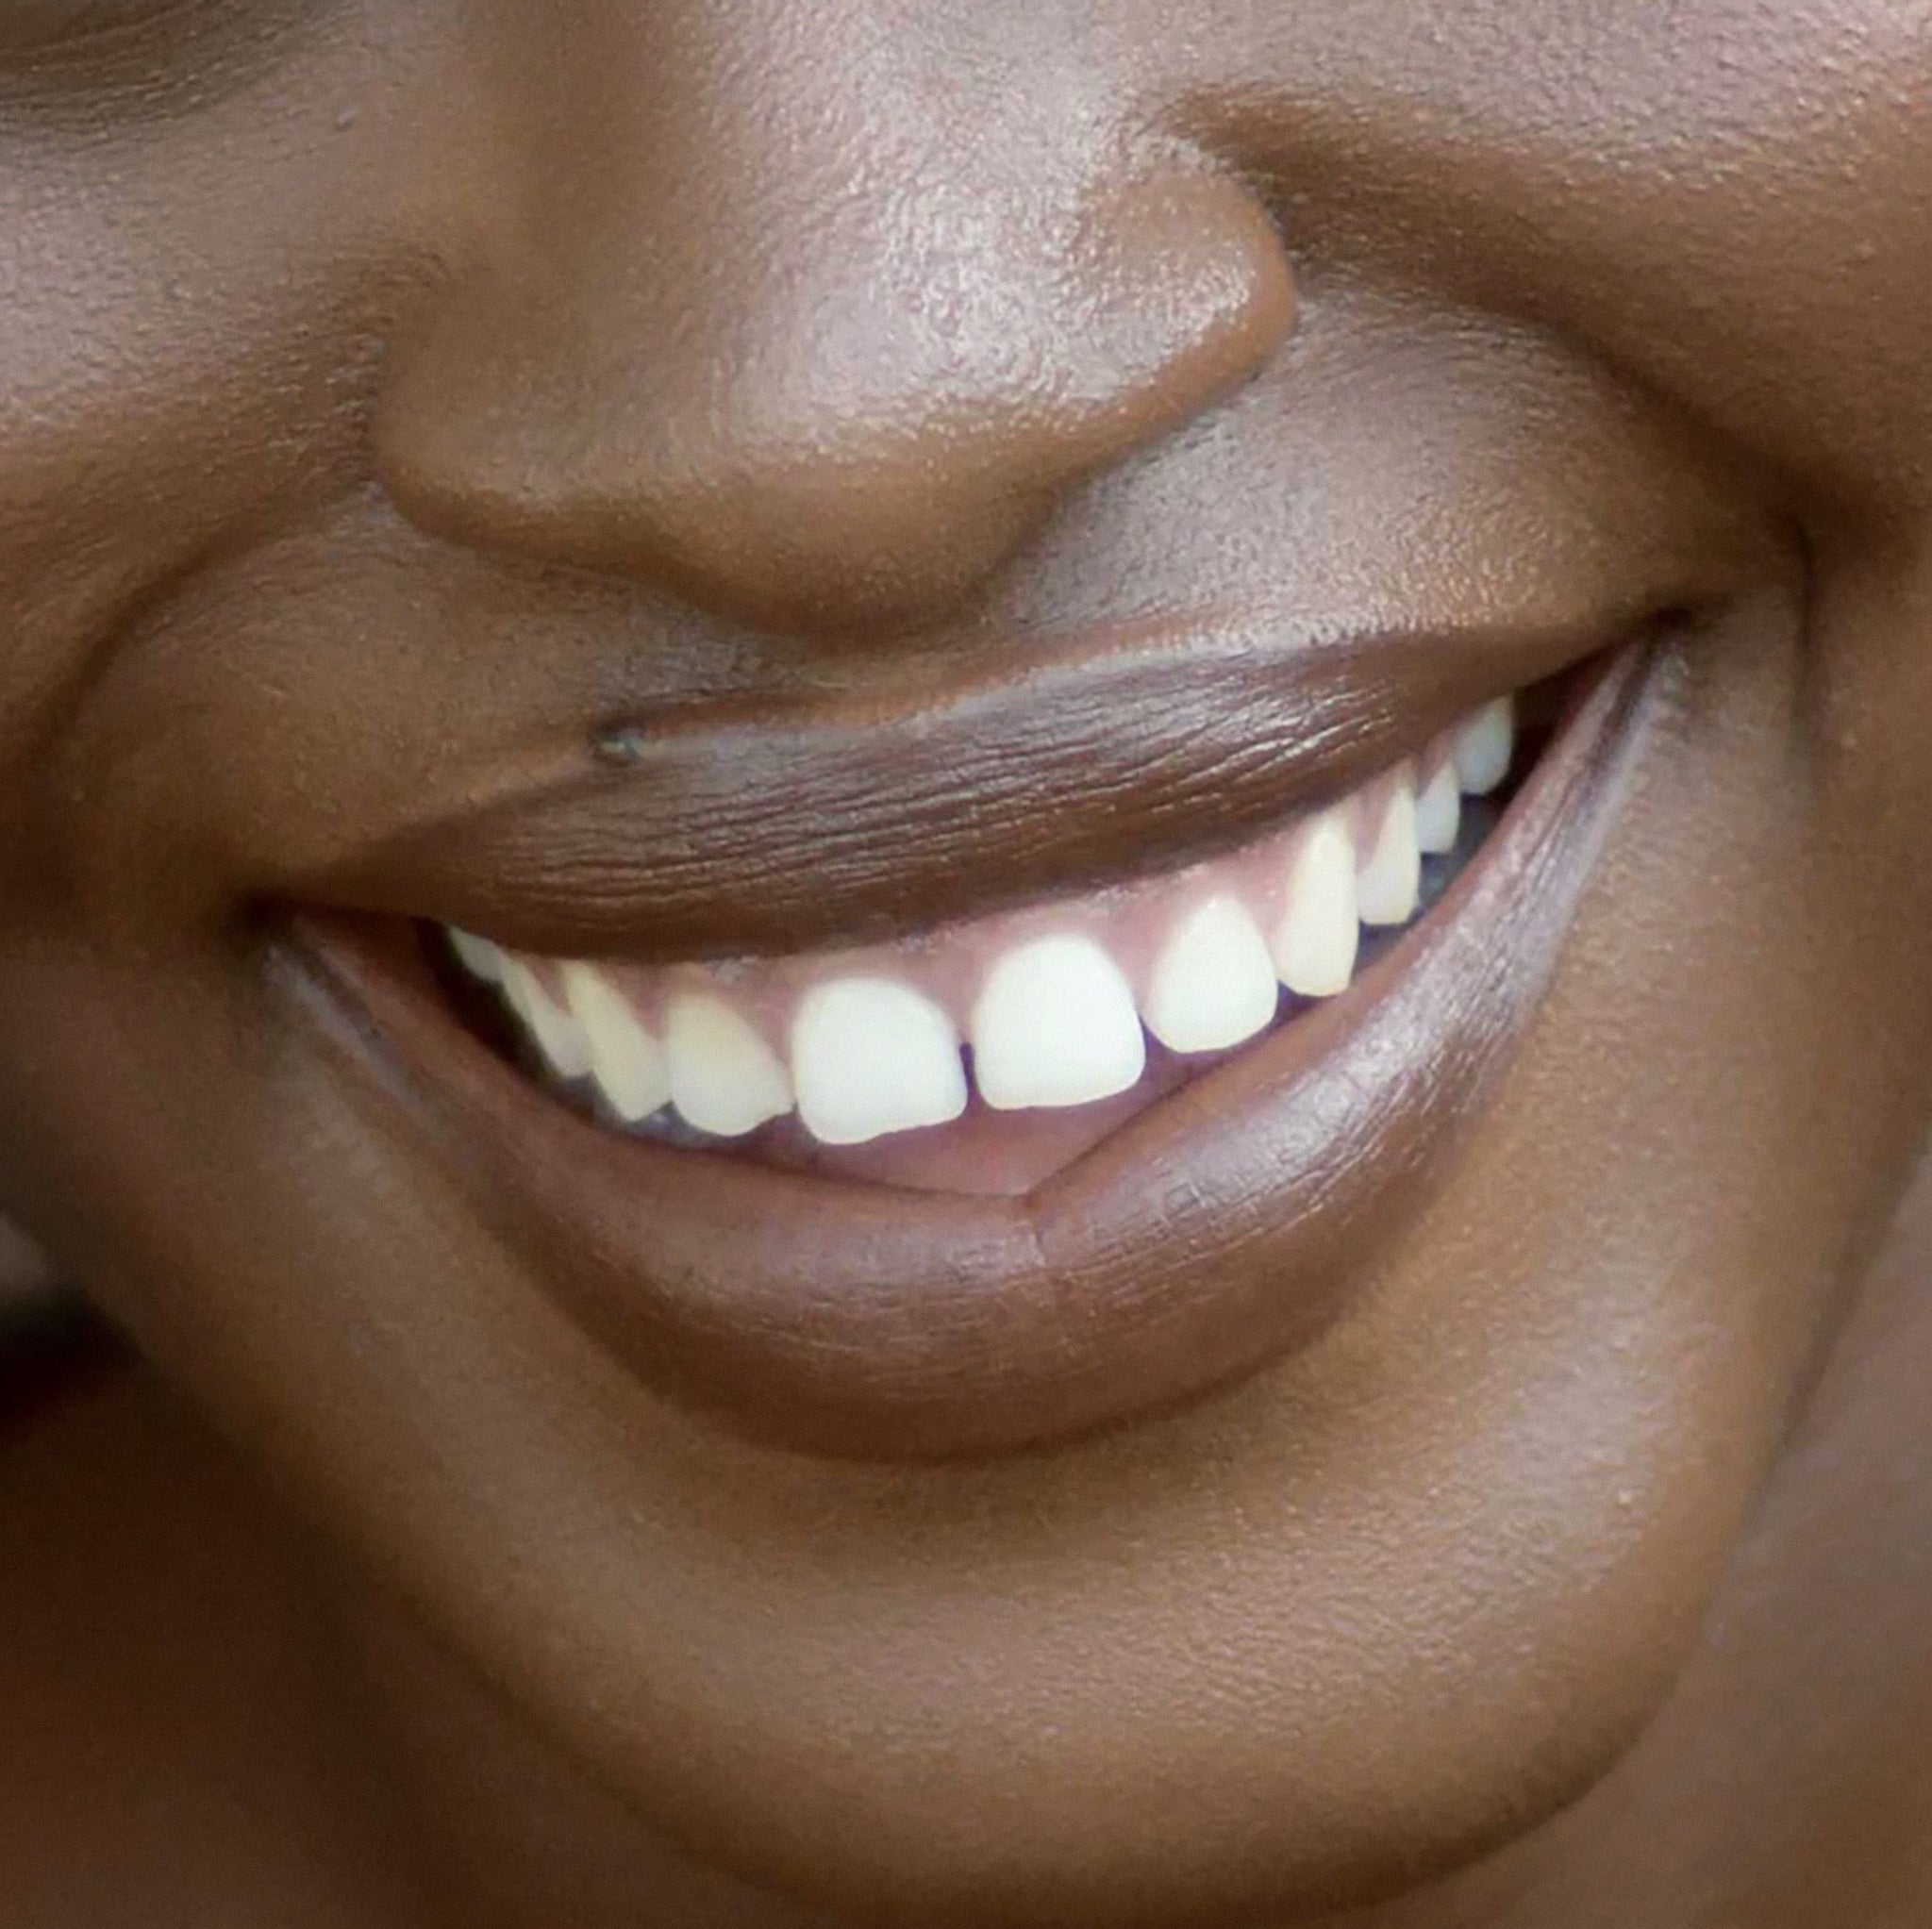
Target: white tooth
(1214,984)
(478,957)
(1316,941)
(1485,746)
(871,1055)
(1439,812)
(725,1079)
(1055,1025)
(1388,886)
(628,1062)
(559,1035)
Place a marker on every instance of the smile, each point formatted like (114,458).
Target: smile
(975,1186)
(1059,1007)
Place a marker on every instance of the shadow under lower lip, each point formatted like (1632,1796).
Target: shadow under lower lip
(1204,1238)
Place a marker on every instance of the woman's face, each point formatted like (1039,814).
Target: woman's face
(732,478)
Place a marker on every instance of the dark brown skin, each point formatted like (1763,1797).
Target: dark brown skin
(409,411)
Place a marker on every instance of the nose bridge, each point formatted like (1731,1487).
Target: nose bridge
(810,316)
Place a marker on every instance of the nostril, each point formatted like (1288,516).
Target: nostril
(849,435)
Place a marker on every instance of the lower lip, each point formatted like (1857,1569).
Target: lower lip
(1209,1235)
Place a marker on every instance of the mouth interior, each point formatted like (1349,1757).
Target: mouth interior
(984,1055)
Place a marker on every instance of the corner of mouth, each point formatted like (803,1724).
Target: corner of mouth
(1209,1214)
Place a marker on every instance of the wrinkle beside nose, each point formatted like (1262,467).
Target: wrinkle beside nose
(834,409)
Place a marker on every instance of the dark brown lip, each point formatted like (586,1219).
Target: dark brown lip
(1215,1232)
(732,829)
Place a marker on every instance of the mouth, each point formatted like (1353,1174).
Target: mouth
(978,1187)
(984,1055)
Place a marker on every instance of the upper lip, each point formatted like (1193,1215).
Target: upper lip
(743,827)
(1201,1240)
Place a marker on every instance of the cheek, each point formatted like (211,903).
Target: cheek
(24,1277)
(194,298)
(1869,747)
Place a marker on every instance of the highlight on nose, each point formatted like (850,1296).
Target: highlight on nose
(860,414)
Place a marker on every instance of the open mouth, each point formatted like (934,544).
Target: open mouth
(984,1055)
(977,1188)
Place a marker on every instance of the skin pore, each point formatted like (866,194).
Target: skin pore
(398,400)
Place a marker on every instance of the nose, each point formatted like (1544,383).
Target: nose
(806,316)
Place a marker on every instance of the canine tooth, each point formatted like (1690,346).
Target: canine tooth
(1055,1025)
(871,1055)
(477,956)
(559,1035)
(725,1079)
(627,1061)
(1439,812)
(1214,983)
(1485,746)
(1315,943)
(1389,885)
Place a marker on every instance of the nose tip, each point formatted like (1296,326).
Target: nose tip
(845,419)
(886,461)
(884,476)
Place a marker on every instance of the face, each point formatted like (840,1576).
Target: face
(768,500)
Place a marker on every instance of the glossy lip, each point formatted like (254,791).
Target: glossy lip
(1217,1230)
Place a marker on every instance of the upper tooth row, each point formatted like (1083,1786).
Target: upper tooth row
(1053,1022)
